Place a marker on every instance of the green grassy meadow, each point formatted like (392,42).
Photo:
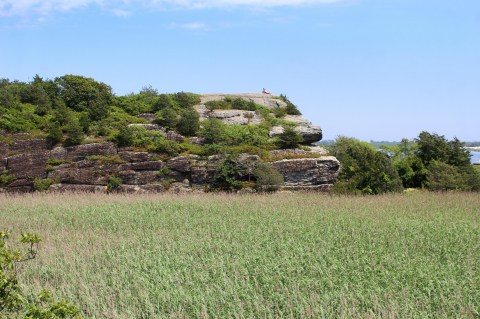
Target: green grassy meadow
(277,256)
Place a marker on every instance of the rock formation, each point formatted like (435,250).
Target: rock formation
(90,167)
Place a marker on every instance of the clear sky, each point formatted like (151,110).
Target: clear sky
(371,69)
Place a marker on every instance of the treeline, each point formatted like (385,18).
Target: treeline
(429,161)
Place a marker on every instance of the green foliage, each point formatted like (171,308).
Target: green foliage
(186,100)
(42,184)
(164,101)
(171,148)
(189,122)
(167,117)
(227,175)
(444,177)
(218,105)
(268,179)
(363,169)
(291,108)
(113,183)
(6,178)
(85,94)
(74,132)
(279,112)
(14,303)
(289,139)
(55,133)
(213,131)
(124,137)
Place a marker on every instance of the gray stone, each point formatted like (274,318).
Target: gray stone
(138,177)
(180,164)
(134,157)
(197,140)
(4,150)
(84,172)
(31,145)
(308,171)
(310,133)
(28,165)
(174,136)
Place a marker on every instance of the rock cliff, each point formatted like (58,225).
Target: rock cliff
(28,164)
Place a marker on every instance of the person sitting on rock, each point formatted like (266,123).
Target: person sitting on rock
(265,91)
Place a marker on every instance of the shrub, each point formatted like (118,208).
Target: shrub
(213,131)
(189,122)
(279,112)
(268,178)
(164,101)
(363,168)
(55,134)
(218,105)
(186,100)
(114,183)
(227,175)
(167,117)
(444,177)
(74,132)
(124,137)
(291,108)
(6,178)
(14,303)
(169,147)
(42,184)
(289,139)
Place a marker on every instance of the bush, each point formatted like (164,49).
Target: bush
(279,112)
(74,132)
(167,117)
(124,137)
(42,184)
(364,169)
(213,131)
(291,108)
(55,134)
(6,178)
(268,178)
(114,183)
(227,175)
(444,177)
(289,139)
(164,101)
(189,122)
(14,303)
(218,105)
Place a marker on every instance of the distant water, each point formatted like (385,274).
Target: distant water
(475,159)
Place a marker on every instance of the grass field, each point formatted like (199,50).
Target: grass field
(279,256)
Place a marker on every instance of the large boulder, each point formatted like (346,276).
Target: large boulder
(310,133)
(133,157)
(131,177)
(179,164)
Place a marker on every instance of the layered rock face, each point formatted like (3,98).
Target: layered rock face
(88,168)
(91,167)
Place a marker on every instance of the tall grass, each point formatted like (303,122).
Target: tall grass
(284,255)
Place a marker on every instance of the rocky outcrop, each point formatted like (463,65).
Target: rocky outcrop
(100,167)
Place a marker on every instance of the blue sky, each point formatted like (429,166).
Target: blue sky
(371,69)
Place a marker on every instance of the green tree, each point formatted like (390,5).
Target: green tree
(364,169)
(124,137)
(74,132)
(444,177)
(167,117)
(289,138)
(85,94)
(189,122)
(164,101)
(213,131)
(55,134)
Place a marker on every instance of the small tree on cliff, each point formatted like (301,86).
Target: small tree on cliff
(289,138)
